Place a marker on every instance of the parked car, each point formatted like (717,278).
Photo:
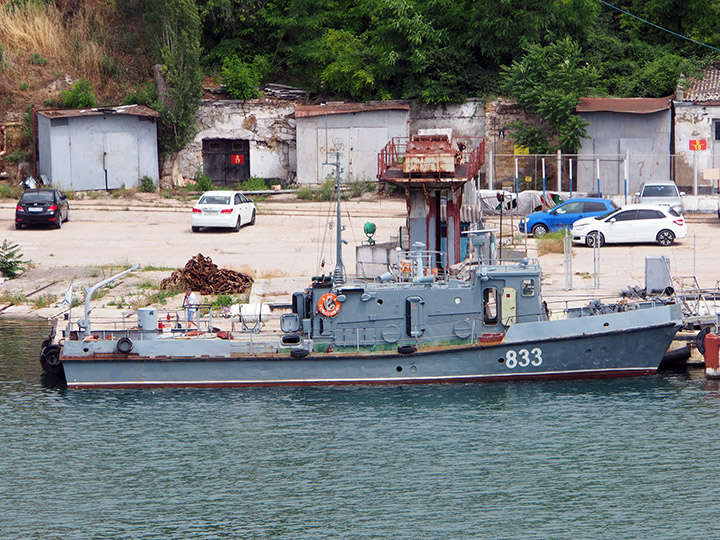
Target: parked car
(662,193)
(41,206)
(230,209)
(564,215)
(631,223)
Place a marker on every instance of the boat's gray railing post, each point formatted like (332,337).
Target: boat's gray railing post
(84,323)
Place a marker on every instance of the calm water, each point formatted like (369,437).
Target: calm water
(636,458)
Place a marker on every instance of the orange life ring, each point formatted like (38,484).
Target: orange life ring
(328,305)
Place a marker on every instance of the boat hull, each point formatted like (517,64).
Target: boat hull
(607,353)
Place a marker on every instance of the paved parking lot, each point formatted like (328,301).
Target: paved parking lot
(290,238)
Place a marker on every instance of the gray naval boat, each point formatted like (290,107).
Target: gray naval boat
(418,323)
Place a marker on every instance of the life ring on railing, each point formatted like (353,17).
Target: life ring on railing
(328,305)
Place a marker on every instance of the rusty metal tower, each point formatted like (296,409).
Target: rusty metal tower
(432,171)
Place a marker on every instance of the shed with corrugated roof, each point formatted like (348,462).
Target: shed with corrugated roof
(97,148)
(353,133)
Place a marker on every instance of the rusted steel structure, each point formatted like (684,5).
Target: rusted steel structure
(432,170)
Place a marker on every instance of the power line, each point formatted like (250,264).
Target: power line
(660,27)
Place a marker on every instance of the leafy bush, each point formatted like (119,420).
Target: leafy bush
(241,79)
(203,182)
(147,184)
(79,95)
(223,300)
(253,184)
(11,263)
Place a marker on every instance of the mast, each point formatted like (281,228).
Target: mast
(339,273)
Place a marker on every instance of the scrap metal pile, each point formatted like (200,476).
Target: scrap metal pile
(202,275)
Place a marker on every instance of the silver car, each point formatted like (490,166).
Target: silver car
(661,193)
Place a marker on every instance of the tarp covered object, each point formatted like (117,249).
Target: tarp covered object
(525,202)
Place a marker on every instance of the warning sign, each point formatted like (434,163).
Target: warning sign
(698,144)
(237,159)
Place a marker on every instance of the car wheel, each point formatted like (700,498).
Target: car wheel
(195,229)
(593,238)
(665,238)
(540,230)
(58,223)
(18,225)
(67,216)
(238,224)
(252,219)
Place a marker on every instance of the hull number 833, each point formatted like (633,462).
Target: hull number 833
(523,358)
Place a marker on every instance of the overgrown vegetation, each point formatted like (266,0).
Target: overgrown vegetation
(11,261)
(203,182)
(253,184)
(147,185)
(326,191)
(551,242)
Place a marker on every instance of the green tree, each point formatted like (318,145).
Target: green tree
(175,27)
(550,81)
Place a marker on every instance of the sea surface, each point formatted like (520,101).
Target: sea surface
(621,459)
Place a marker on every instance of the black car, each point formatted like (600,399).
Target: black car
(41,206)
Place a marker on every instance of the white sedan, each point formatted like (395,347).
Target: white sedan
(629,224)
(229,209)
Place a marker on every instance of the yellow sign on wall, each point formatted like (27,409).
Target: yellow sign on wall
(523,150)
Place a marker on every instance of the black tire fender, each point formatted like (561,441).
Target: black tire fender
(407,349)
(700,339)
(50,360)
(124,345)
(299,353)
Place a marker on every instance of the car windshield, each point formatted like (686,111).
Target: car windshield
(37,196)
(214,199)
(659,191)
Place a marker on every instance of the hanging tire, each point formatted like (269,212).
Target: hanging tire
(665,238)
(124,345)
(50,360)
(407,349)
(594,237)
(299,353)
(540,230)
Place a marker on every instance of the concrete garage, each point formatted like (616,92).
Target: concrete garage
(636,129)
(99,148)
(357,131)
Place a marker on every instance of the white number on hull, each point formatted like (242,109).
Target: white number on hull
(523,358)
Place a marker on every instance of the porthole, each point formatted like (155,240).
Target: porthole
(379,301)
(458,300)
(398,369)
(501,360)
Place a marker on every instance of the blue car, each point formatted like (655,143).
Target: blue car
(564,215)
